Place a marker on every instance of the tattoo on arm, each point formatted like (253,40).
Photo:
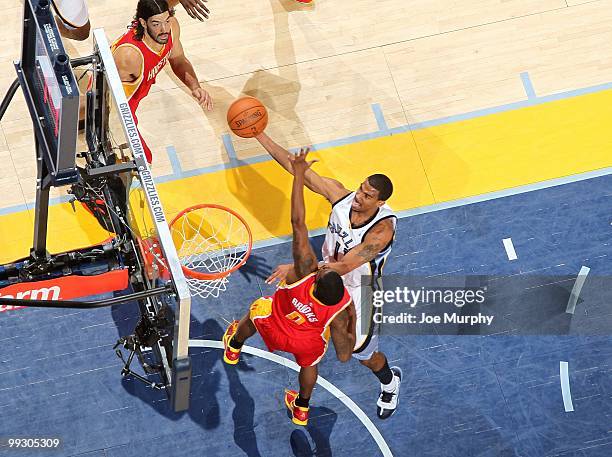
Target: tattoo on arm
(373,243)
(369,251)
(376,240)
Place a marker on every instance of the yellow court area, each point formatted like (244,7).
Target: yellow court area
(319,72)
(430,165)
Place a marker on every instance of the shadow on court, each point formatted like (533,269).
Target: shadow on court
(208,407)
(257,266)
(320,427)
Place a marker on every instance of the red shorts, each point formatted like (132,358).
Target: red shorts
(307,353)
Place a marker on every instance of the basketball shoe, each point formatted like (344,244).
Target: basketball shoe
(389,398)
(299,414)
(230,355)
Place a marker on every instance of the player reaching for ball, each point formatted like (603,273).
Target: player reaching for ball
(309,306)
(358,240)
(140,54)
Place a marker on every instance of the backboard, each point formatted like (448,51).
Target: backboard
(156,248)
(50,90)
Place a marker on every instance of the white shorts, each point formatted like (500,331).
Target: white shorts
(366,343)
(73,13)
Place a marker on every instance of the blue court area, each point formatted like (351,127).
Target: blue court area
(461,395)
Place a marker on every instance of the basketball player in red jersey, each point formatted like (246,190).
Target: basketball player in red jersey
(140,54)
(303,311)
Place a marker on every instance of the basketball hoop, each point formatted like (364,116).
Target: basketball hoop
(212,242)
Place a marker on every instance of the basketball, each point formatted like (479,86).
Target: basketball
(247,117)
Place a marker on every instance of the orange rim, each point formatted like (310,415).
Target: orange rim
(222,274)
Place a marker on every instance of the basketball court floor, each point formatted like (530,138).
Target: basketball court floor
(491,117)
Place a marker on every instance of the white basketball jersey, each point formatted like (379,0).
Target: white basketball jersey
(341,237)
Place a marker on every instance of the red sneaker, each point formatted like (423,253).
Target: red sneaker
(230,355)
(299,415)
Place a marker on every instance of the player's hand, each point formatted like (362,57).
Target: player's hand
(196,9)
(280,273)
(299,162)
(203,98)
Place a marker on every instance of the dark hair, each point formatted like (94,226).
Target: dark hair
(144,10)
(382,184)
(329,288)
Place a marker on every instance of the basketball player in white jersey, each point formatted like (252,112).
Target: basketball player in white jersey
(358,240)
(73,17)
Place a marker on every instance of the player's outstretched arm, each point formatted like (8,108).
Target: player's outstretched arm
(197,9)
(377,239)
(183,69)
(342,330)
(329,188)
(304,258)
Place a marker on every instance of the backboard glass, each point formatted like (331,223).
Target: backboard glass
(50,90)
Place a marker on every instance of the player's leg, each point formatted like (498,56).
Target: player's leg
(298,402)
(73,19)
(245,330)
(239,331)
(234,337)
(366,351)
(74,33)
(308,378)
(390,380)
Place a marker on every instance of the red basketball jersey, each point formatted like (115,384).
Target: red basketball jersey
(298,314)
(153,62)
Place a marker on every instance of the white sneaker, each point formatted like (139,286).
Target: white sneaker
(388,401)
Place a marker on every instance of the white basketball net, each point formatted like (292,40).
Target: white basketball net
(210,239)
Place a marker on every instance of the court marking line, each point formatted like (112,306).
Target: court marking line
(177,171)
(528,86)
(538,100)
(380,117)
(565,386)
(575,294)
(228,144)
(510,251)
(506,192)
(350,404)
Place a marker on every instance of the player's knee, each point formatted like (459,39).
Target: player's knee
(375,360)
(81,33)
